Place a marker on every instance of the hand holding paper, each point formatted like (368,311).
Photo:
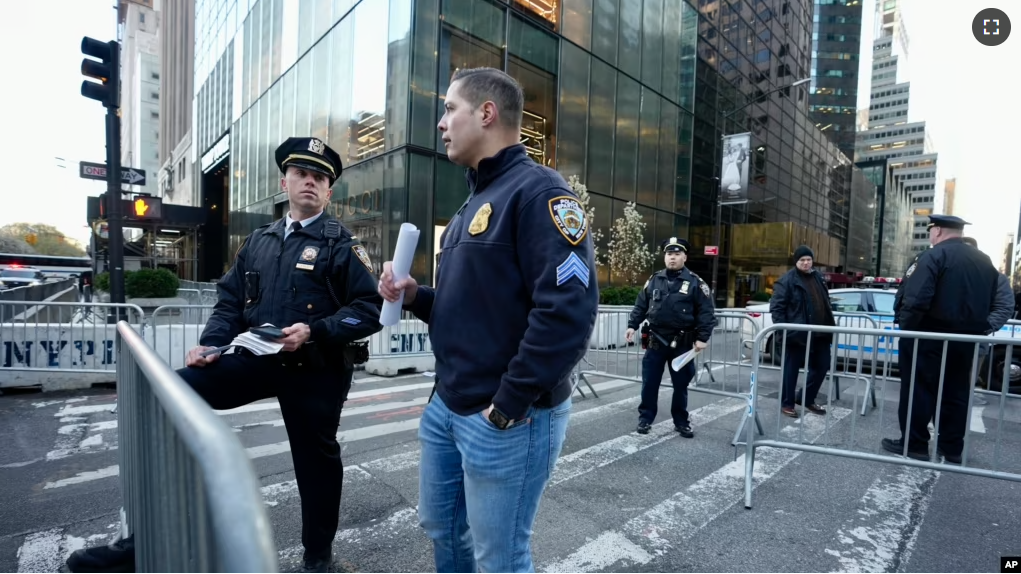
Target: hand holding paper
(678,363)
(404,252)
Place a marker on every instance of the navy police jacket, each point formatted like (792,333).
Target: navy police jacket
(675,302)
(284,282)
(950,288)
(516,296)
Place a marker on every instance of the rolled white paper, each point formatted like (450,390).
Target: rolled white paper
(404,253)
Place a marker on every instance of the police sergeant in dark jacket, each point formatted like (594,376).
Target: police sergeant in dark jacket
(949,289)
(306,274)
(679,307)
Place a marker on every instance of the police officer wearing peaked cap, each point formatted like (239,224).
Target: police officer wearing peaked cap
(950,288)
(679,307)
(307,275)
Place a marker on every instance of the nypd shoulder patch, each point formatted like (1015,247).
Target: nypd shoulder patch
(573,266)
(705,288)
(363,256)
(569,217)
(911,270)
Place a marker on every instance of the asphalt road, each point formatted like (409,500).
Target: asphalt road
(618,500)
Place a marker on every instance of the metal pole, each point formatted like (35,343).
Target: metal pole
(113,205)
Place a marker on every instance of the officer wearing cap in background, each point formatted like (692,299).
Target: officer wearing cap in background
(679,307)
(949,289)
(307,275)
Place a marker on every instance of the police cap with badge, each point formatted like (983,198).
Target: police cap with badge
(311,154)
(946,222)
(674,245)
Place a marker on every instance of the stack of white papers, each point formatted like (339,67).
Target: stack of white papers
(256,344)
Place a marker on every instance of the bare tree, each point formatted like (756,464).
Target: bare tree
(629,255)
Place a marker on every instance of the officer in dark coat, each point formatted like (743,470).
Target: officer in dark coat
(307,275)
(679,307)
(949,289)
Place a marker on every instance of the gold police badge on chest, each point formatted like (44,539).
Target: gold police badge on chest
(307,260)
(685,286)
(480,222)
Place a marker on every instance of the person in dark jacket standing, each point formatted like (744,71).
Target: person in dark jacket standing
(951,288)
(801,297)
(514,307)
(307,275)
(679,307)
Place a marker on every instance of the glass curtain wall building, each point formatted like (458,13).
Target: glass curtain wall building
(609,95)
(800,185)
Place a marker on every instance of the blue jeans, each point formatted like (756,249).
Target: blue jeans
(472,473)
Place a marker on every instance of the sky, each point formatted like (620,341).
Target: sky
(958,86)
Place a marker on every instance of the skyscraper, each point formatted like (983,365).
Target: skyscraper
(833,96)
(140,88)
(890,134)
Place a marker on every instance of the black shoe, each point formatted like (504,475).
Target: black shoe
(644,428)
(117,557)
(896,446)
(317,564)
(685,430)
(951,458)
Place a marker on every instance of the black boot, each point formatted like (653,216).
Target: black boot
(116,557)
(317,563)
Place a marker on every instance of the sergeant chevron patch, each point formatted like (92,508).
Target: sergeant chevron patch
(573,266)
(350,320)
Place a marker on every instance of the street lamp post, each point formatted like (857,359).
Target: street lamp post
(719,190)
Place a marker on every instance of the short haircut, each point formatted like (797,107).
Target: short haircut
(970,241)
(479,85)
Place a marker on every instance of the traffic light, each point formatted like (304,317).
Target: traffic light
(146,207)
(106,70)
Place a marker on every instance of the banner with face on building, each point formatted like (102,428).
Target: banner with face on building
(734,176)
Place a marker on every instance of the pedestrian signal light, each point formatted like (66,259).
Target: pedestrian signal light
(146,207)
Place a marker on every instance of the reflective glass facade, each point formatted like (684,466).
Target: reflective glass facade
(609,95)
(833,93)
(800,185)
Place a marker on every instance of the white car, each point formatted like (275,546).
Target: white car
(870,309)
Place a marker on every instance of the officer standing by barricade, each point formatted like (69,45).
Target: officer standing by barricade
(306,275)
(679,307)
(949,289)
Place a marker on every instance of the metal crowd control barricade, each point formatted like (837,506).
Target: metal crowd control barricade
(60,339)
(174,329)
(611,356)
(190,493)
(836,444)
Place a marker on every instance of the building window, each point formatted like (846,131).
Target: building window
(155,95)
(141,17)
(154,115)
(155,76)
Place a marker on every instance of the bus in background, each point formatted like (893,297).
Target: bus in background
(50,265)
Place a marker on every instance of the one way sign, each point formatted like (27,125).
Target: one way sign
(129,175)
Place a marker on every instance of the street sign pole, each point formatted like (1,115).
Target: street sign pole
(113,205)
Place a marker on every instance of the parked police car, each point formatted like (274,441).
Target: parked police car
(870,309)
(17,276)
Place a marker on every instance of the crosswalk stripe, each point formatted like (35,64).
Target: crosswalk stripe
(688,511)
(883,531)
(356,434)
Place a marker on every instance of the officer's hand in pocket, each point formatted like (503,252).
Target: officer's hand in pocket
(195,358)
(295,336)
(629,335)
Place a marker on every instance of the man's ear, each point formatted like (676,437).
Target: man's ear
(490,114)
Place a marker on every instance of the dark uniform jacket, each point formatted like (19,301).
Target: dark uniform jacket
(675,303)
(949,289)
(516,296)
(790,304)
(266,285)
